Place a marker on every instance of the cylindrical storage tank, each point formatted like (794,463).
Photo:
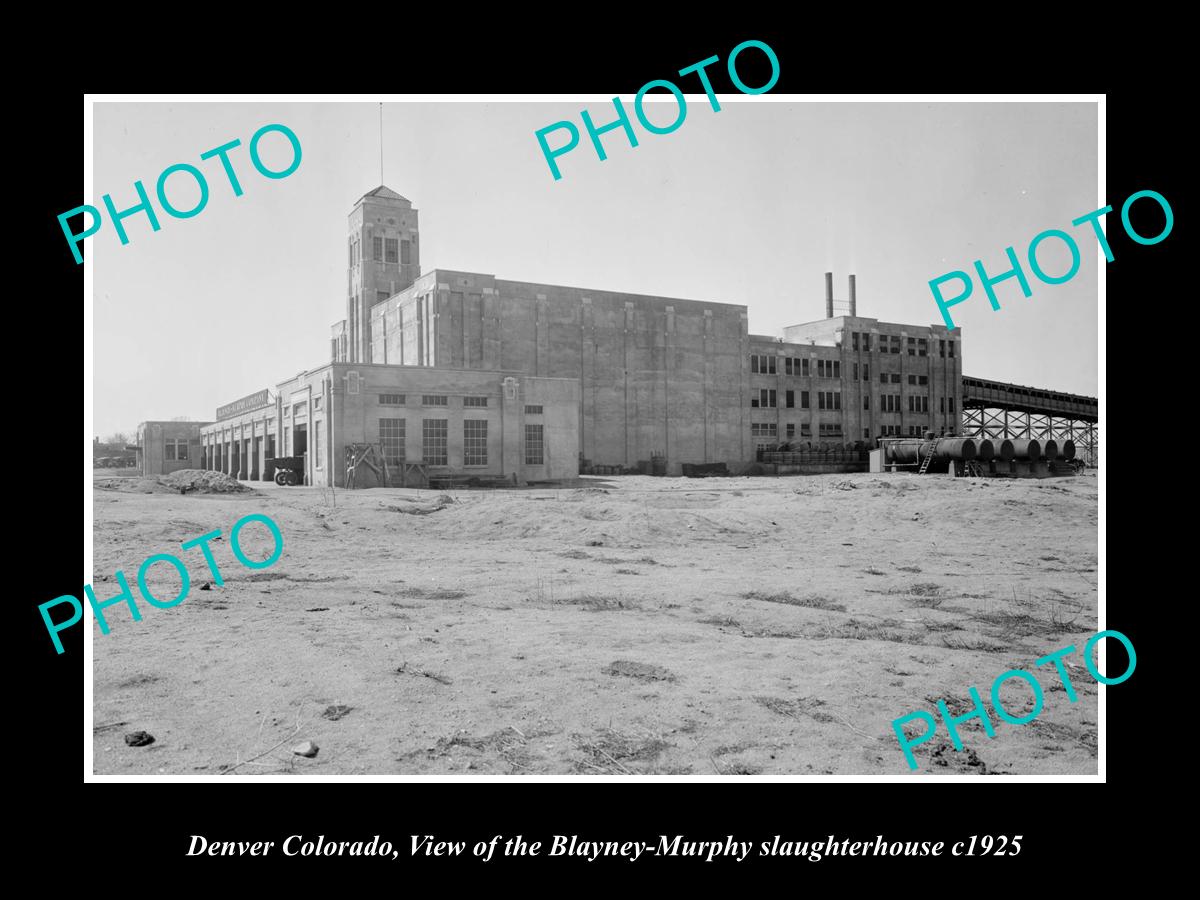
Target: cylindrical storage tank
(906,451)
(1026,449)
(1067,450)
(954,448)
(1050,448)
(987,450)
(1004,449)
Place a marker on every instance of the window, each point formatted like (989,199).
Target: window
(941,348)
(531,410)
(350,254)
(895,339)
(922,347)
(475,442)
(789,399)
(317,457)
(405,255)
(924,379)
(866,434)
(914,431)
(831,429)
(951,344)
(805,429)
(943,406)
(912,346)
(389,247)
(175,448)
(377,249)
(787,365)
(911,398)
(297,409)
(764,434)
(837,368)
(925,404)
(761,364)
(765,398)
(837,399)
(866,341)
(791,429)
(820,399)
(883,379)
(866,372)
(391,440)
(804,399)
(912,379)
(535,447)
(391,399)
(951,406)
(895,378)
(433,434)
(475,401)
(854,340)
(820,368)
(434,400)
(866,401)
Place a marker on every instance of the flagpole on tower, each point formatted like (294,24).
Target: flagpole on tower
(381,143)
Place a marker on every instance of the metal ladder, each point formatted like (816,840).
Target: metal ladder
(927,460)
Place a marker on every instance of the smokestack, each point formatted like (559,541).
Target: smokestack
(853,304)
(829,295)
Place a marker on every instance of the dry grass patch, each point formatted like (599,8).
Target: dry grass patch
(638,670)
(811,602)
(611,752)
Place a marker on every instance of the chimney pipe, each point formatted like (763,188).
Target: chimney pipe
(829,295)
(853,303)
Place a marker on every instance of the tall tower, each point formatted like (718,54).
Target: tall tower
(384,258)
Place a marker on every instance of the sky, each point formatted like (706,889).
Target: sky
(748,205)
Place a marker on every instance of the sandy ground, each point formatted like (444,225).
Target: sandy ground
(644,625)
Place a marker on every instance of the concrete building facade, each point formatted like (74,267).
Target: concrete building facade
(847,379)
(424,421)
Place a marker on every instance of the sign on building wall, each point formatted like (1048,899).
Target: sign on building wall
(256,400)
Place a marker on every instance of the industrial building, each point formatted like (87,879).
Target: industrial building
(459,372)
(166,447)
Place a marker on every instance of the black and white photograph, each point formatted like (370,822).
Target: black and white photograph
(494,438)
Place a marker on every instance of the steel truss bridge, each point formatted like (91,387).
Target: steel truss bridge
(996,409)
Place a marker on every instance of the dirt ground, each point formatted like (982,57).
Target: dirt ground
(738,626)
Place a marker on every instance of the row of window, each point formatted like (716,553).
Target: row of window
(766,433)
(892,343)
(383,249)
(175,448)
(766,398)
(434,434)
(764,364)
(431,400)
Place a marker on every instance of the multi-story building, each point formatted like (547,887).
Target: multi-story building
(844,379)
(650,376)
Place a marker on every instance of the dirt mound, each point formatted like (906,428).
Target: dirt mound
(200,481)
